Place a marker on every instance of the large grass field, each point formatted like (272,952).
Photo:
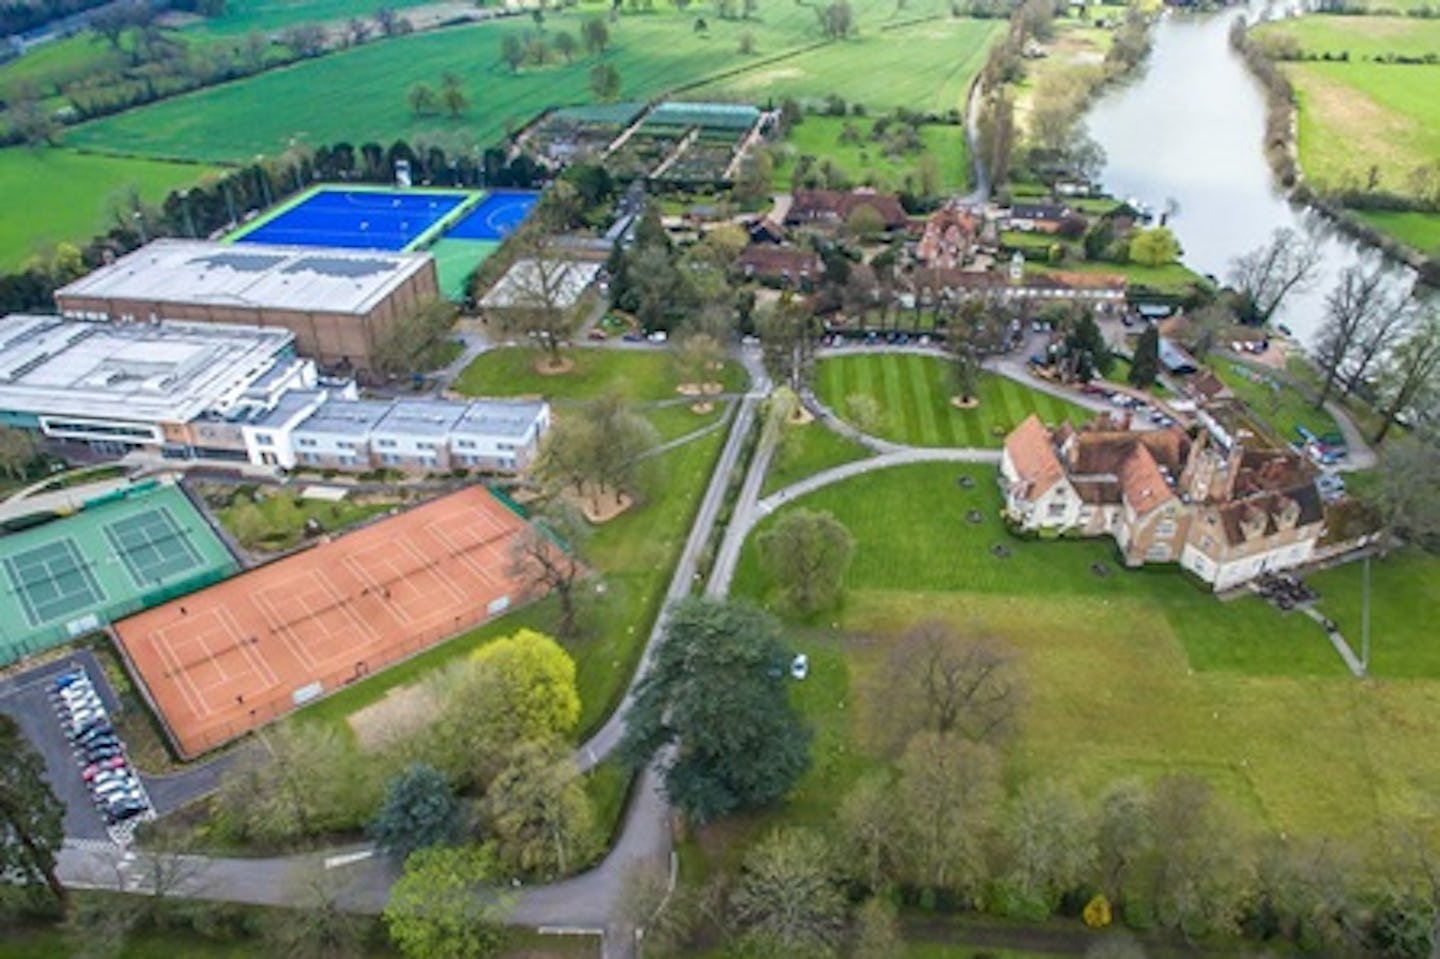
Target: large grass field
(1273,399)
(242,16)
(865,162)
(1362,38)
(924,66)
(54,195)
(1135,673)
(359,94)
(914,393)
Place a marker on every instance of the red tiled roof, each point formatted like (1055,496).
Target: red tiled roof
(838,205)
(1033,457)
(778,261)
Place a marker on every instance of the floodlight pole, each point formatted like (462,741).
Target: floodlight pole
(1365,619)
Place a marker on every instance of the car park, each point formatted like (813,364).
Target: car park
(115,788)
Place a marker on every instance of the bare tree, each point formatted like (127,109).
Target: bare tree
(1355,304)
(540,286)
(547,556)
(940,681)
(1382,331)
(1266,276)
(1413,371)
(315,925)
(1407,496)
(947,797)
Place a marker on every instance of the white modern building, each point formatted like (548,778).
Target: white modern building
(312,430)
(178,388)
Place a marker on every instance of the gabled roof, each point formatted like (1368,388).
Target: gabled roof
(1033,457)
(837,204)
(1142,485)
(1038,211)
(778,261)
(1269,506)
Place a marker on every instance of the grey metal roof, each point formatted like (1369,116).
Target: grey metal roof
(419,418)
(257,276)
(284,410)
(498,418)
(344,417)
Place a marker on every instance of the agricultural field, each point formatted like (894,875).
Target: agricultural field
(1362,120)
(913,393)
(242,16)
(866,162)
(359,94)
(923,66)
(1131,673)
(53,195)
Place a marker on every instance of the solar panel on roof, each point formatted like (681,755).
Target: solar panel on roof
(244,262)
(335,266)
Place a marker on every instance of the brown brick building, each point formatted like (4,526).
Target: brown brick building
(339,303)
(1226,511)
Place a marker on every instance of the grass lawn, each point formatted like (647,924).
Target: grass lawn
(914,397)
(865,162)
(1420,230)
(1404,602)
(807,450)
(1357,115)
(673,422)
(924,66)
(285,515)
(639,376)
(53,195)
(1074,58)
(242,16)
(1134,673)
(359,94)
(1174,278)
(1273,400)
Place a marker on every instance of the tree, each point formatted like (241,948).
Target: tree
(975,328)
(441,907)
(29,118)
(358,31)
(1049,843)
(716,694)
(512,51)
(947,796)
(1349,308)
(419,810)
(863,411)
(546,556)
(1145,366)
(1412,372)
(1086,352)
(1265,277)
(877,930)
(603,449)
(595,35)
(414,342)
(864,221)
(837,19)
(808,553)
(565,45)
(31,817)
(306,39)
(757,177)
(307,780)
(422,99)
(453,95)
(539,813)
(531,678)
(697,355)
(1407,496)
(787,341)
(997,134)
(1123,835)
(388,20)
(869,834)
(941,681)
(747,43)
(18,451)
(541,291)
(1199,871)
(605,82)
(1154,247)
(787,901)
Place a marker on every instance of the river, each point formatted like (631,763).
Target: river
(1189,127)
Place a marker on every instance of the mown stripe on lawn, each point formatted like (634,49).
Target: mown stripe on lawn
(860,380)
(901,418)
(919,374)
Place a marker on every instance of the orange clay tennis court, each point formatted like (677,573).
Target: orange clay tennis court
(232,657)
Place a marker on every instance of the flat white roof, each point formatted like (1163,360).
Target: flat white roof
(250,275)
(525,284)
(145,372)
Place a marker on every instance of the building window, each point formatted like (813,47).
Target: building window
(385,444)
(1057,508)
(1165,529)
(505,446)
(304,442)
(425,445)
(389,458)
(465,444)
(344,445)
(264,439)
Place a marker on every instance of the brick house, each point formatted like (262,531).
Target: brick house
(832,208)
(1225,512)
(948,238)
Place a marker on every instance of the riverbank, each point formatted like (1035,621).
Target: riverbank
(1364,157)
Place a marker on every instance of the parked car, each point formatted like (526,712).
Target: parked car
(97,752)
(633,336)
(95,769)
(597,334)
(800,666)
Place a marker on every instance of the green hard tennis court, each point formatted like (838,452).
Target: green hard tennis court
(120,554)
